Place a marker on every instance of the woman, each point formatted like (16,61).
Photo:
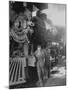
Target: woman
(40,57)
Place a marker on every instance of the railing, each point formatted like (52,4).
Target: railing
(17,70)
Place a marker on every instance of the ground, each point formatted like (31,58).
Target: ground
(58,75)
(57,78)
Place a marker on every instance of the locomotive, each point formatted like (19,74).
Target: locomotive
(25,36)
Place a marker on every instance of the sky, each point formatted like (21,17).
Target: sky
(57,13)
